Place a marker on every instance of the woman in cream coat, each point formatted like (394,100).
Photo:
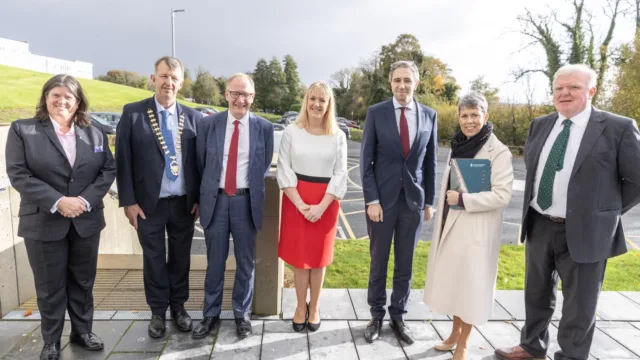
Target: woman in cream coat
(463,259)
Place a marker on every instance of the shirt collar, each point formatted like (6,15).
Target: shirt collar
(397,105)
(243,121)
(579,120)
(171,109)
(56,127)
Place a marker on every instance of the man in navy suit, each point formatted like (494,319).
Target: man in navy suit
(158,187)
(398,169)
(234,150)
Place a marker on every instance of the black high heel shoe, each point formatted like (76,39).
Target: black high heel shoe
(311,326)
(297,327)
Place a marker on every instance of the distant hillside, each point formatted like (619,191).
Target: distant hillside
(20,90)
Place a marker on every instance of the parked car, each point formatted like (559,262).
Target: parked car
(349,123)
(205,110)
(286,120)
(112,117)
(108,127)
(278,127)
(290,113)
(345,129)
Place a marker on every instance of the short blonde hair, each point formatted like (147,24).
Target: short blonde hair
(330,123)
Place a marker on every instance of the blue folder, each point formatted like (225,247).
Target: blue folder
(470,176)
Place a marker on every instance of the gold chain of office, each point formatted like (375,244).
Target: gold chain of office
(173,165)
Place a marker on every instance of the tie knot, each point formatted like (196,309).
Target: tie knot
(567,122)
(236,122)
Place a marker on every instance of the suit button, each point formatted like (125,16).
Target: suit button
(72,180)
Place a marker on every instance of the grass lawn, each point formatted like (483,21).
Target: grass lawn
(20,91)
(350,268)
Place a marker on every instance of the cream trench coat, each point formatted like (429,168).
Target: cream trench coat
(463,259)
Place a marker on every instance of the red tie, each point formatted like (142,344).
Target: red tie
(230,185)
(404,133)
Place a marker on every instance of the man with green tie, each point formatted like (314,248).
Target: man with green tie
(582,176)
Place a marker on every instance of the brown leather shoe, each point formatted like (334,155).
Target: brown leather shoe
(515,353)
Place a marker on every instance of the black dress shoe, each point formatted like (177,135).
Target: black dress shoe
(88,341)
(372,331)
(205,327)
(402,331)
(243,327)
(311,326)
(156,326)
(297,327)
(181,319)
(50,351)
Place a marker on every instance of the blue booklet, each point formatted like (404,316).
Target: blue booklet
(470,176)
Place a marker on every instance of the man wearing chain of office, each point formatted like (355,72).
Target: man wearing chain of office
(158,188)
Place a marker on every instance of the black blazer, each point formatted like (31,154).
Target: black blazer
(39,170)
(140,160)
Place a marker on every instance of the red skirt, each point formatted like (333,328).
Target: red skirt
(303,244)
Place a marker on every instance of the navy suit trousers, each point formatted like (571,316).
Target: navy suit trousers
(232,215)
(402,225)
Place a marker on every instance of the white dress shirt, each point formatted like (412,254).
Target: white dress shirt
(410,112)
(68,142)
(561,182)
(242,175)
(313,155)
(168,187)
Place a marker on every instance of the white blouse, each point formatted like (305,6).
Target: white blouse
(313,155)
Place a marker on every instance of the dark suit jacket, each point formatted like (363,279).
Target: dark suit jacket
(210,152)
(604,183)
(141,161)
(39,170)
(383,168)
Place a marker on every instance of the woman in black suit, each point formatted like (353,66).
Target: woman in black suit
(62,167)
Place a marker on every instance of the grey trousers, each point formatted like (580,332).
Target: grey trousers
(547,258)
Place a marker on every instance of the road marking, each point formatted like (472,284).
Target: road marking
(346,225)
(634,236)
(354,212)
(341,233)
(351,200)
(364,238)
(349,177)
(633,245)
(510,223)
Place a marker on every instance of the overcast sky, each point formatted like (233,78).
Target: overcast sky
(473,37)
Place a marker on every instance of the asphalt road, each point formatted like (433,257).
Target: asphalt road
(352,224)
(352,217)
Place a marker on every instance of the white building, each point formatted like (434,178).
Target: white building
(16,54)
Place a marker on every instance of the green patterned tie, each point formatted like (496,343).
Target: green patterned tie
(555,163)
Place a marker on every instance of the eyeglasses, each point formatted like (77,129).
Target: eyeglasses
(237,94)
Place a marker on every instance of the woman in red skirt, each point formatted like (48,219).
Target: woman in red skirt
(312,172)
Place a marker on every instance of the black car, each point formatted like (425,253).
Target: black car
(108,127)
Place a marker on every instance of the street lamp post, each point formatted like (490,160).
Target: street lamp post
(173,30)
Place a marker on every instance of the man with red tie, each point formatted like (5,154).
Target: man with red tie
(398,169)
(234,150)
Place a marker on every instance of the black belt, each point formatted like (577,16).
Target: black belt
(239,192)
(313,179)
(172,197)
(557,220)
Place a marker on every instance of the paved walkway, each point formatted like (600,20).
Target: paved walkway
(345,315)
